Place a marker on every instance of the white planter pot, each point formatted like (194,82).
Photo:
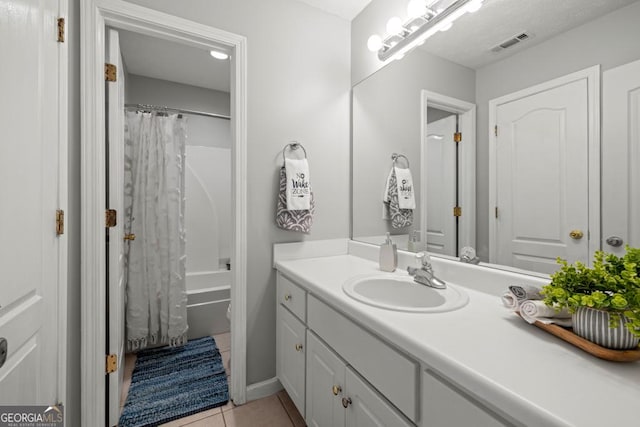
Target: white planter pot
(593,325)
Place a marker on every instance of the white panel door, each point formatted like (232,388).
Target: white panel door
(29,189)
(290,356)
(366,408)
(542,177)
(325,385)
(621,157)
(441,186)
(115,242)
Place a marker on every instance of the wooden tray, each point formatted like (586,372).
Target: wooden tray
(592,348)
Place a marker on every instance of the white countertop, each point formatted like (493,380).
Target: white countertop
(504,362)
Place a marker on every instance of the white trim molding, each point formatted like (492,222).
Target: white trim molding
(592,76)
(263,389)
(466,166)
(95,16)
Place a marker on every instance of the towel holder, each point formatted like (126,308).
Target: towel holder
(293,145)
(396,156)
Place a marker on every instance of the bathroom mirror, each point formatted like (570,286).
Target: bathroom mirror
(467,64)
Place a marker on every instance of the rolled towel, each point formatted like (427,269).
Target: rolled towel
(524,292)
(510,301)
(535,310)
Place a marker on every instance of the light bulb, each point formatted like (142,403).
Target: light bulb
(394,26)
(446,26)
(417,8)
(219,55)
(474,6)
(374,43)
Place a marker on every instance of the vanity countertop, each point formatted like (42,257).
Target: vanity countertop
(510,365)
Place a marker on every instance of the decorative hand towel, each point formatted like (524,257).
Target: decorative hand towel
(516,294)
(536,310)
(404,181)
(292,220)
(386,214)
(298,189)
(399,217)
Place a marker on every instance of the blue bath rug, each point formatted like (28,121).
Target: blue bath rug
(171,383)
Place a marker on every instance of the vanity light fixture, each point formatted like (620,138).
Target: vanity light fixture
(426,17)
(219,55)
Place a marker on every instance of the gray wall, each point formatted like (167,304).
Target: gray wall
(611,40)
(298,89)
(386,119)
(72,399)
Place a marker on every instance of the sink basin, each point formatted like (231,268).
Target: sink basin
(398,293)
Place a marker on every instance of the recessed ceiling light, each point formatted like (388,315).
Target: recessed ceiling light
(219,55)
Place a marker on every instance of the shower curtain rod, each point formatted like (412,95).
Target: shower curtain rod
(179,110)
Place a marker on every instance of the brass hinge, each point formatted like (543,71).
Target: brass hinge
(60,30)
(457,211)
(110,72)
(59,222)
(110,218)
(112,363)
(495,130)
(457,137)
(496,212)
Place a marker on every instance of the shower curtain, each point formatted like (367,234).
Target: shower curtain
(156,297)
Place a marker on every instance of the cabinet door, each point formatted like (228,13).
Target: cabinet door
(444,406)
(325,385)
(290,356)
(366,408)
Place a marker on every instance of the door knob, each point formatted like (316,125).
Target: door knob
(576,234)
(614,241)
(129,237)
(336,390)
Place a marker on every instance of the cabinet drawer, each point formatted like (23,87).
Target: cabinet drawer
(389,371)
(292,297)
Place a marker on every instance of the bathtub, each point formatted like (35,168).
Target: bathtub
(208,296)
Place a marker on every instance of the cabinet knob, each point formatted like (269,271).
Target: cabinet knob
(346,401)
(298,347)
(287,297)
(336,390)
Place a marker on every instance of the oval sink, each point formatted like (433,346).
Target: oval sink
(398,293)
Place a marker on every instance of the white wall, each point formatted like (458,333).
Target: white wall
(208,162)
(386,119)
(298,89)
(611,40)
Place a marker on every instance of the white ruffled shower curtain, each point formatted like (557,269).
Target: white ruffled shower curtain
(156,297)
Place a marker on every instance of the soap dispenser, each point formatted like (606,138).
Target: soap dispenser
(388,255)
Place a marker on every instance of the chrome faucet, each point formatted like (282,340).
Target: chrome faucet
(423,273)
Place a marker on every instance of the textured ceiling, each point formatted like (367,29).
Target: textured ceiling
(162,59)
(473,36)
(347,9)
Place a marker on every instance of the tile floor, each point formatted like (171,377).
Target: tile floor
(273,411)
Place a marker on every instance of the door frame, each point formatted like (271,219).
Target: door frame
(95,16)
(466,165)
(592,75)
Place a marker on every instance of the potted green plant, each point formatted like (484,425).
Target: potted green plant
(608,293)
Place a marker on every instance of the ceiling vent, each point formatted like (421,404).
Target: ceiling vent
(511,41)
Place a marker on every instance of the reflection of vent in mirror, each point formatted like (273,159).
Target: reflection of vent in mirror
(512,41)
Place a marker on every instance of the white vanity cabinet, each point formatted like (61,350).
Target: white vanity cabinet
(291,341)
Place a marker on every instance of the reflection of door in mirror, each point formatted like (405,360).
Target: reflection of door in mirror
(441,180)
(542,175)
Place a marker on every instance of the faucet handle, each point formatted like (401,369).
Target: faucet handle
(423,259)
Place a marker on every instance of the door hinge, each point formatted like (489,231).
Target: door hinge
(496,212)
(60,30)
(59,222)
(457,211)
(457,137)
(112,363)
(110,218)
(110,72)
(495,130)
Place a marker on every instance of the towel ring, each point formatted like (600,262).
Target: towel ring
(294,145)
(396,156)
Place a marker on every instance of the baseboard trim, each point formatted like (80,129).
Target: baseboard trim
(263,389)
